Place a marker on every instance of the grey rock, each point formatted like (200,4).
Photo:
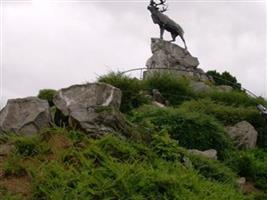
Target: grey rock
(199,87)
(92,107)
(224,88)
(160,105)
(186,162)
(158,97)
(169,55)
(174,59)
(243,134)
(211,153)
(25,116)
(241,181)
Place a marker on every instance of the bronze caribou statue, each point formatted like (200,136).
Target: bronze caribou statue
(164,22)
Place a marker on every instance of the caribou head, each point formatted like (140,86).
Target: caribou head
(154,7)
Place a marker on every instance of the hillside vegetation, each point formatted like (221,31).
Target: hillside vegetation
(152,162)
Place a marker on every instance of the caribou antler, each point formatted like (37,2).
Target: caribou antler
(164,9)
(162,3)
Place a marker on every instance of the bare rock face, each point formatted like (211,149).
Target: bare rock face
(91,107)
(25,116)
(243,134)
(211,153)
(176,59)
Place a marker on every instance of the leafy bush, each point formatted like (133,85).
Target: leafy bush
(228,115)
(47,94)
(13,166)
(28,146)
(165,147)
(224,79)
(106,171)
(175,89)
(132,97)
(113,167)
(233,98)
(251,164)
(192,130)
(213,169)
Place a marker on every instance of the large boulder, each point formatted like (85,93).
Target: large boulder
(91,107)
(171,57)
(243,134)
(25,116)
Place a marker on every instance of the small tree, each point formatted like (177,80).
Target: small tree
(224,79)
(47,94)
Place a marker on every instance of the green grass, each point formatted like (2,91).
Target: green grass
(115,168)
(192,130)
(147,162)
(174,89)
(251,164)
(132,96)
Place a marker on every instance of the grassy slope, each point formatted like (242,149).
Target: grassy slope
(153,163)
(63,164)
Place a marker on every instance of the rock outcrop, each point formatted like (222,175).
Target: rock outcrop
(211,153)
(167,55)
(243,134)
(91,107)
(25,116)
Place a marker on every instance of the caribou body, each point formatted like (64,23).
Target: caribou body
(164,22)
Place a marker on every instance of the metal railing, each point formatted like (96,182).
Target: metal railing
(188,70)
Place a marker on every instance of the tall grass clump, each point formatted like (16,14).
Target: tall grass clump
(233,98)
(132,96)
(115,168)
(47,94)
(174,88)
(192,130)
(226,114)
(251,164)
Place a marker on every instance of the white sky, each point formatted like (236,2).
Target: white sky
(54,44)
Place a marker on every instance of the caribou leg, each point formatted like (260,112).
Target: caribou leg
(173,37)
(161,32)
(184,42)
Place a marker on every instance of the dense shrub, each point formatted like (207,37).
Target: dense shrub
(192,130)
(132,96)
(13,166)
(251,164)
(233,98)
(165,147)
(228,115)
(106,171)
(28,146)
(168,149)
(224,79)
(174,89)
(213,169)
(47,94)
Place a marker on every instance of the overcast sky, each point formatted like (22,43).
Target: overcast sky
(49,44)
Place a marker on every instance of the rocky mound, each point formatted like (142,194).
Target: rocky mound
(167,55)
